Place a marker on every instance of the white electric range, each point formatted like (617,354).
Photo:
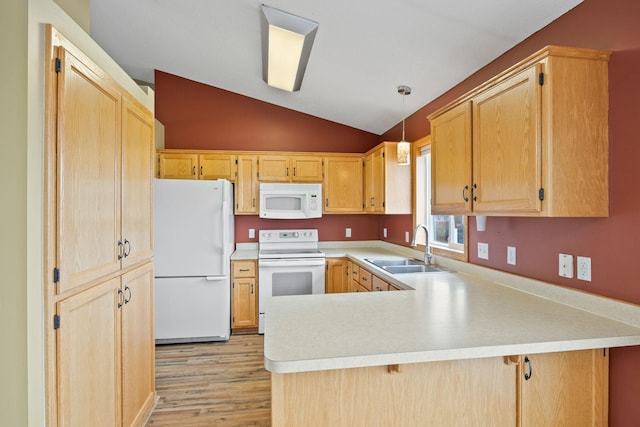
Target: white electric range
(289,263)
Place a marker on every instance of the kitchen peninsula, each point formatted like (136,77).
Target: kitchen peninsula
(471,347)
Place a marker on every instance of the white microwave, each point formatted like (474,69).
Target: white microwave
(290,201)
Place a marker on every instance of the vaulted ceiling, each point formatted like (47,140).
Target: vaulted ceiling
(363,49)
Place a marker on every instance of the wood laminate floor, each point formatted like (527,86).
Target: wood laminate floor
(213,384)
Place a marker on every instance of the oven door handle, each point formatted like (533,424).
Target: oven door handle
(304,262)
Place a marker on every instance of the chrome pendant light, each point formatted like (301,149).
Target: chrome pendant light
(404,147)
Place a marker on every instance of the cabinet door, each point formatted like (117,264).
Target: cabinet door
(274,168)
(246,187)
(337,279)
(342,184)
(507,151)
(565,389)
(88,357)
(377,284)
(245,314)
(137,183)
(306,169)
(217,166)
(451,190)
(138,346)
(178,166)
(88,168)
(374,182)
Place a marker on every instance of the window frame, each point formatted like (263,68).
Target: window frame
(435,249)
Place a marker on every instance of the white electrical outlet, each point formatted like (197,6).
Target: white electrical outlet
(565,265)
(483,250)
(406,236)
(384,232)
(511,255)
(584,268)
(252,233)
(347,232)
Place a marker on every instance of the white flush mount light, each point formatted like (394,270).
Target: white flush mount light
(404,148)
(286,45)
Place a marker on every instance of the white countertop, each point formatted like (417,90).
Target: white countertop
(467,314)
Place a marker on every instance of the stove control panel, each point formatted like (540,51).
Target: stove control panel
(283,236)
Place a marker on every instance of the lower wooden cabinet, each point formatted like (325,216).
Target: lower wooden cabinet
(138,346)
(337,277)
(105,353)
(244,296)
(564,389)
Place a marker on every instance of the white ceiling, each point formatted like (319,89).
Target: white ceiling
(363,49)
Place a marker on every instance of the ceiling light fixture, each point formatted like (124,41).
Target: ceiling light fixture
(404,148)
(286,46)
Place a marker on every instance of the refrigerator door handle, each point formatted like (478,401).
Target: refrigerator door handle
(215,278)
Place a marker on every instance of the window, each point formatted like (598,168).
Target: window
(446,232)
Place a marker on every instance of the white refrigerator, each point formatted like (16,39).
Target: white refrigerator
(193,242)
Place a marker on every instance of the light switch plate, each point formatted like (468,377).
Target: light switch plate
(347,232)
(384,232)
(483,250)
(565,265)
(252,233)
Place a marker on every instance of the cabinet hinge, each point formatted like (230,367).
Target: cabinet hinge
(56,275)
(604,352)
(541,194)
(541,79)
(383,154)
(58,65)
(383,204)
(236,161)
(56,321)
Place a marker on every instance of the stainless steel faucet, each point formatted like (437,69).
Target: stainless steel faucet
(427,254)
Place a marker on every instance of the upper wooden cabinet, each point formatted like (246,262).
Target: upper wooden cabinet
(246,188)
(218,166)
(186,165)
(342,185)
(295,168)
(387,185)
(533,141)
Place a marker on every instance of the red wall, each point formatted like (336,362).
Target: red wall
(198,116)
(613,243)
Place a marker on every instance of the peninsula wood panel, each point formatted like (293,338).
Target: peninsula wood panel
(463,393)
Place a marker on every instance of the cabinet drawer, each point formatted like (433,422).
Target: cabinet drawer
(355,273)
(244,268)
(365,278)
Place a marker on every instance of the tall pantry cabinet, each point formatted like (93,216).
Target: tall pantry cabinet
(99,250)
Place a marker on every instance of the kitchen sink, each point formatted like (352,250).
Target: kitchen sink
(405,265)
(422,268)
(387,262)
